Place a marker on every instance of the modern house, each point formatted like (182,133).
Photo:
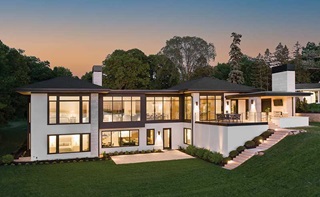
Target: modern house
(313,89)
(71,118)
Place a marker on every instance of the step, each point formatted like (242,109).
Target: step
(241,160)
(247,154)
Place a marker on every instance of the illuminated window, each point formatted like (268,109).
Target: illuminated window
(187,108)
(210,106)
(150,137)
(162,108)
(119,138)
(69,109)
(187,136)
(121,109)
(68,143)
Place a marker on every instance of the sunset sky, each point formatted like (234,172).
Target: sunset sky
(79,34)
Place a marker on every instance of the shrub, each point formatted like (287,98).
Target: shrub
(225,160)
(250,144)
(143,151)
(127,153)
(148,151)
(240,149)
(104,155)
(199,152)
(206,154)
(191,150)
(121,153)
(266,134)
(215,157)
(136,151)
(257,140)
(159,150)
(6,159)
(131,152)
(116,153)
(233,154)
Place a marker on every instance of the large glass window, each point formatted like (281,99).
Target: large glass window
(69,109)
(210,106)
(121,109)
(150,137)
(119,138)
(187,136)
(68,143)
(162,108)
(187,108)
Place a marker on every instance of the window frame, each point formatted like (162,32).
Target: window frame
(58,139)
(162,113)
(57,102)
(111,131)
(154,136)
(207,106)
(185,135)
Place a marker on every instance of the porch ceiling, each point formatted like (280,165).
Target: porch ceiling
(267,93)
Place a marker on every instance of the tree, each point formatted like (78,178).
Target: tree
(59,71)
(87,76)
(261,73)
(236,75)
(221,71)
(188,53)
(205,71)
(125,71)
(302,73)
(282,54)
(163,72)
(247,67)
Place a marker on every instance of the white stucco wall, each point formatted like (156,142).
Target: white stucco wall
(176,137)
(40,130)
(224,139)
(294,122)
(97,78)
(284,81)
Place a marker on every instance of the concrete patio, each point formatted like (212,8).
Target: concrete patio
(151,157)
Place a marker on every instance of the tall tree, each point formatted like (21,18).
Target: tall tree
(59,71)
(204,71)
(189,53)
(281,54)
(163,72)
(302,73)
(221,71)
(236,75)
(125,71)
(87,76)
(261,73)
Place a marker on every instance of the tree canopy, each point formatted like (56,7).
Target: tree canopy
(236,75)
(189,53)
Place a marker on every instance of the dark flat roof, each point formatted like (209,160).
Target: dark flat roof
(212,84)
(268,93)
(301,86)
(61,84)
(283,67)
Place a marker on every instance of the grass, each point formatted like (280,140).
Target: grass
(290,168)
(12,136)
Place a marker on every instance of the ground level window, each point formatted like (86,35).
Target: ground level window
(150,137)
(69,143)
(187,135)
(119,138)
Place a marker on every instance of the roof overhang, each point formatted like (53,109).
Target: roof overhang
(26,91)
(268,93)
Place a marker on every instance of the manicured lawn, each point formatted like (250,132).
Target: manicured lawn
(291,168)
(12,136)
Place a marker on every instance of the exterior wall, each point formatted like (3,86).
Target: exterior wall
(286,109)
(313,117)
(291,122)
(40,130)
(97,78)
(284,81)
(224,139)
(312,98)
(176,137)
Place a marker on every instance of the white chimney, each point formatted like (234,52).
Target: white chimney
(97,75)
(283,78)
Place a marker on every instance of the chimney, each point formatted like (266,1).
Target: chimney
(283,78)
(97,75)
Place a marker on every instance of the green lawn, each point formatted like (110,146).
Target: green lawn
(290,168)
(12,136)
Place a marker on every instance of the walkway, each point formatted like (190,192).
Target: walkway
(150,157)
(278,135)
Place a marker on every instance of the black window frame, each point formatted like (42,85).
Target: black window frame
(111,131)
(186,107)
(154,136)
(122,103)
(162,113)
(207,112)
(185,135)
(57,143)
(57,101)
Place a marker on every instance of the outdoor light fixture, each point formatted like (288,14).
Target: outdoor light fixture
(196,103)
(251,102)
(227,102)
(158,132)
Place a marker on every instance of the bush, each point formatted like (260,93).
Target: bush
(233,154)
(116,153)
(6,159)
(136,151)
(126,153)
(206,154)
(148,151)
(266,134)
(250,144)
(225,160)
(215,157)
(143,151)
(104,155)
(191,150)
(200,152)
(240,149)
(257,140)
